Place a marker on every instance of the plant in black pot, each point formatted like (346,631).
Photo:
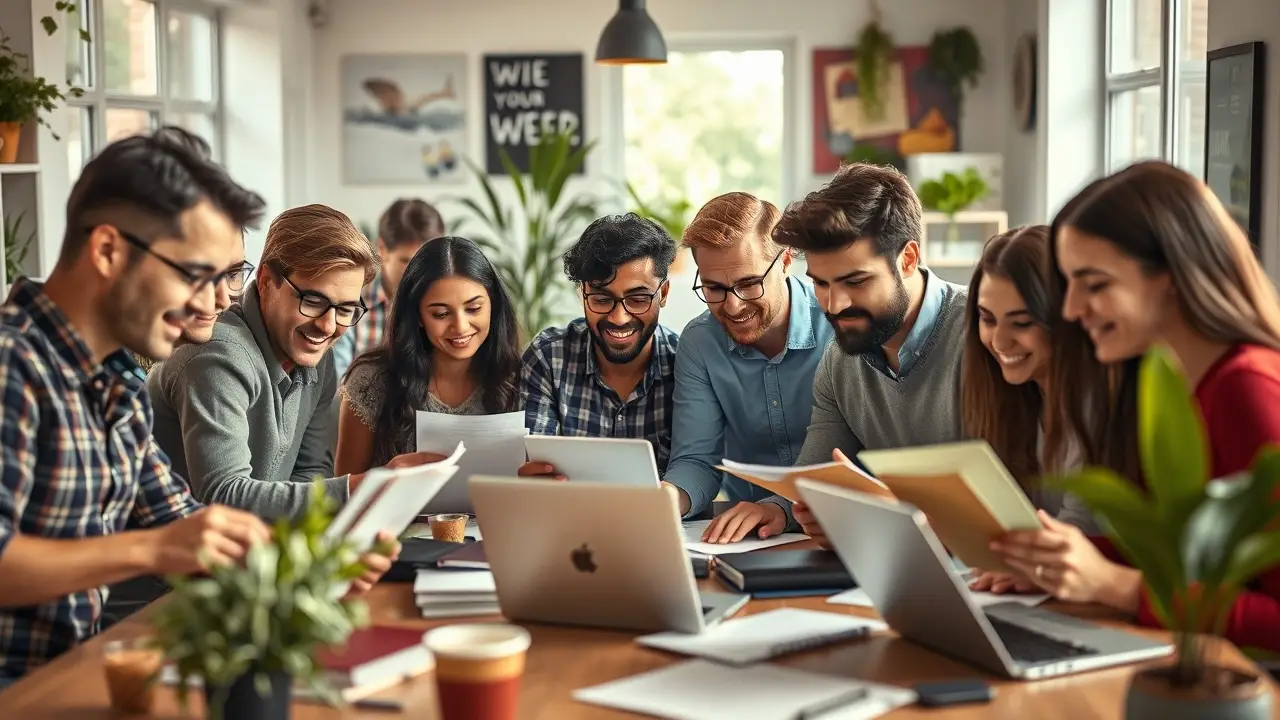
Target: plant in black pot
(1197,542)
(249,632)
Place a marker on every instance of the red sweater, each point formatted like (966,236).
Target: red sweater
(1239,398)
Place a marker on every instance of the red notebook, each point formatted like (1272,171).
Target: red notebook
(375,657)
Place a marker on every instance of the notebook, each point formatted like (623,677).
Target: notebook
(767,635)
(964,489)
(453,581)
(701,690)
(784,570)
(781,480)
(470,556)
(376,656)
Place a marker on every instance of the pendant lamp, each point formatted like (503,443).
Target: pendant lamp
(631,38)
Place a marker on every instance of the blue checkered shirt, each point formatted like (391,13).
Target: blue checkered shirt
(78,461)
(564,394)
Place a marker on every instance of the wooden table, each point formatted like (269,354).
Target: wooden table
(564,659)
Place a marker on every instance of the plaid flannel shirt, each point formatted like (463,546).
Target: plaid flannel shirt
(78,461)
(368,333)
(564,394)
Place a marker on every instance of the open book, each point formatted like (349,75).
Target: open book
(781,480)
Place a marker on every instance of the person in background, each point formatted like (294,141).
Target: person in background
(251,425)
(892,377)
(1005,395)
(1149,256)
(86,497)
(744,369)
(453,348)
(610,373)
(402,230)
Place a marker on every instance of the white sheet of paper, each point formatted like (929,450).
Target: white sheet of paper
(774,473)
(858,596)
(763,636)
(453,581)
(693,540)
(703,690)
(495,443)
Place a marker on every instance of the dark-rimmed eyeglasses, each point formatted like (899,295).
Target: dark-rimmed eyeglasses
(745,290)
(315,305)
(635,303)
(235,277)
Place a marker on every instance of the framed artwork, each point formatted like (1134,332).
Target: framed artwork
(404,119)
(526,96)
(1233,133)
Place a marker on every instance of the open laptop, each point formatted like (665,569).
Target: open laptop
(909,577)
(592,554)
(617,461)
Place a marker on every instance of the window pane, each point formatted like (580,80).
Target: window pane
(1135,126)
(200,124)
(1134,34)
(191,54)
(123,122)
(79,139)
(129,44)
(1194,35)
(1193,41)
(77,50)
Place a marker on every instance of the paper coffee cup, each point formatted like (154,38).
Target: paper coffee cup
(478,669)
(449,528)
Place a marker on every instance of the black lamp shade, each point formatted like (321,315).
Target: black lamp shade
(631,37)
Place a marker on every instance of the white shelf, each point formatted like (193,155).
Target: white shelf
(19,169)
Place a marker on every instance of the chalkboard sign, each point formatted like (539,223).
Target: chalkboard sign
(1233,133)
(526,96)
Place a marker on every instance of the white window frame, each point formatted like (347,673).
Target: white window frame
(98,99)
(1171,75)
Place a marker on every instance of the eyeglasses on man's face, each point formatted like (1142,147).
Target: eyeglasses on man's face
(750,289)
(200,275)
(315,305)
(633,303)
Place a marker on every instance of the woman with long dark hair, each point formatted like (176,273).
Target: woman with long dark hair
(452,347)
(1149,256)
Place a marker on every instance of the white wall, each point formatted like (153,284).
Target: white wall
(1237,21)
(1023,175)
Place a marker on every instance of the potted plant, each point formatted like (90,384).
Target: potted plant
(250,631)
(872,55)
(1197,542)
(956,58)
(952,194)
(24,96)
(17,244)
(525,242)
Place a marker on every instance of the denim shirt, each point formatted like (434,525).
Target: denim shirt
(930,306)
(733,402)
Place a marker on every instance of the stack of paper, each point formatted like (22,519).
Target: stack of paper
(766,635)
(495,446)
(455,593)
(694,529)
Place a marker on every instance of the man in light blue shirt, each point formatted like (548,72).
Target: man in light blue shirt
(744,369)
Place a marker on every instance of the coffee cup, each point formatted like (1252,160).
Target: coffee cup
(132,668)
(478,669)
(449,528)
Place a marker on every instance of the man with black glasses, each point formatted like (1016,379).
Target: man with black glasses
(247,416)
(610,372)
(744,372)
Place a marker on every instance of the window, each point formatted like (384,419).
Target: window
(148,62)
(708,122)
(1156,71)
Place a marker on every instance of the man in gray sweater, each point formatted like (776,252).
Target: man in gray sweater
(246,416)
(891,379)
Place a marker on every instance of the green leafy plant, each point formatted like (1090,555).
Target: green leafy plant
(956,58)
(874,155)
(17,244)
(25,96)
(525,242)
(951,194)
(1197,541)
(873,54)
(672,215)
(270,615)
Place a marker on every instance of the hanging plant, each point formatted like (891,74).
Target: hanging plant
(956,58)
(872,55)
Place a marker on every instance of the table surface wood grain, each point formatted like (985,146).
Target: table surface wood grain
(563,659)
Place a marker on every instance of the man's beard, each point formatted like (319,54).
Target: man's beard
(881,328)
(643,332)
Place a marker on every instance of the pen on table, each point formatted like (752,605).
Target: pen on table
(826,706)
(376,704)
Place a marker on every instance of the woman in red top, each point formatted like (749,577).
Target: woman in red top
(1148,256)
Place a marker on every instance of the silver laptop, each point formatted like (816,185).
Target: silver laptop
(592,554)
(905,571)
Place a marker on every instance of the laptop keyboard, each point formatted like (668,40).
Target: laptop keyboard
(1030,646)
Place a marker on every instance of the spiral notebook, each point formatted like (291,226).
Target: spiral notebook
(767,635)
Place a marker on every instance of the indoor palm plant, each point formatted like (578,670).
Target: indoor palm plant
(1197,542)
(525,242)
(671,215)
(248,632)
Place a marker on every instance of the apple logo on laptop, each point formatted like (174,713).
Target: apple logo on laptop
(582,561)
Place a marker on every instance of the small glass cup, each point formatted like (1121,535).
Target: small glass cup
(133,670)
(449,528)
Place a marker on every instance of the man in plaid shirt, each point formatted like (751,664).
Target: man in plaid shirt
(610,373)
(403,229)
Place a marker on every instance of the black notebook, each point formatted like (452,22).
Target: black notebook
(416,554)
(781,570)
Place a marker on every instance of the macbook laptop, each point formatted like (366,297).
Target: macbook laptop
(592,554)
(914,585)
